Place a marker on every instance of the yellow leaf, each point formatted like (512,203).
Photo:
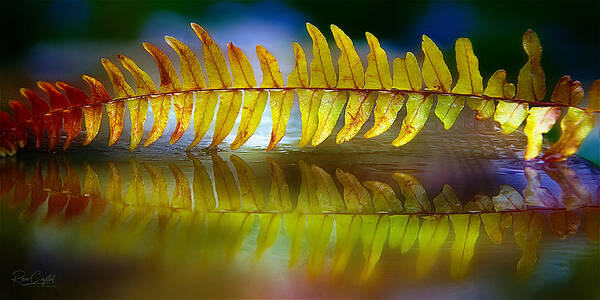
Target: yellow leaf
(189,66)
(416,199)
(204,197)
(307,196)
(254,106)
(351,70)
(243,74)
(495,224)
(447,201)
(466,232)
(386,109)
(161,106)
(193,79)
(309,101)
(384,198)
(322,75)
(279,196)
(228,194)
(347,230)
(360,104)
(138,108)
(432,236)
(114,186)
(93,114)
(332,104)
(254,101)
(510,115)
(539,121)
(204,112)
(160,193)
(214,61)
(351,76)
(281,107)
(328,196)
(469,82)
(252,195)
(435,71)
(321,68)
(136,192)
(318,232)
(448,108)
(356,197)
(116,110)
(528,232)
(378,69)
(182,194)
(531,85)
(357,113)
(575,126)
(404,230)
(374,233)
(241,225)
(91,184)
(407,74)
(229,108)
(281,101)
(183,105)
(120,86)
(495,88)
(269,229)
(469,78)
(417,111)
(295,226)
(299,76)
(230,102)
(218,77)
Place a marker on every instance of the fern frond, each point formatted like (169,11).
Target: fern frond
(322,98)
(239,189)
(369,211)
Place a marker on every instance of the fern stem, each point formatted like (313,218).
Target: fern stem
(392,91)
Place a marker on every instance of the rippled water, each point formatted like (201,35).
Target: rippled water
(159,222)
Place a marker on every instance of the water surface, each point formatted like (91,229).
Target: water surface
(452,215)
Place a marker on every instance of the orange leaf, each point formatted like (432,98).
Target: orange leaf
(55,120)
(116,110)
(77,98)
(22,116)
(138,108)
(39,108)
(93,114)
(169,82)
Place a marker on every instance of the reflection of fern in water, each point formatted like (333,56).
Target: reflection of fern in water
(321,100)
(367,211)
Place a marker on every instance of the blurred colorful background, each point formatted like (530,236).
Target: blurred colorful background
(73,215)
